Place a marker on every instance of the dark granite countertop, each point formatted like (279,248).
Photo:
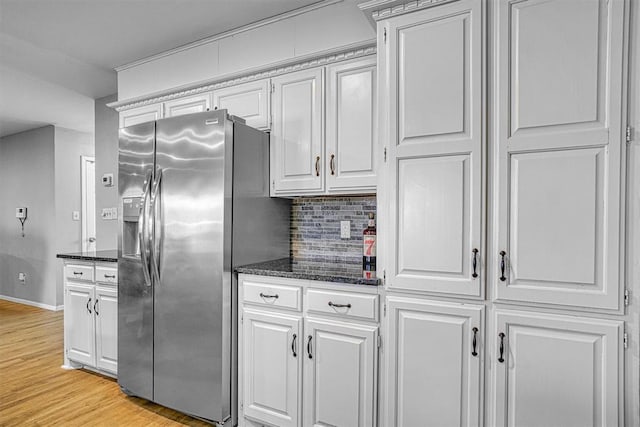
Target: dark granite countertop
(285,267)
(104,256)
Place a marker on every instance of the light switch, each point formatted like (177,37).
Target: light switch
(345,229)
(75,215)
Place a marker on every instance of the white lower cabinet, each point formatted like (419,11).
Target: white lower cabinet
(106,315)
(80,332)
(340,364)
(297,369)
(556,370)
(271,367)
(91,318)
(434,360)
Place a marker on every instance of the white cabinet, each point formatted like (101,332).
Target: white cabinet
(80,332)
(302,364)
(351,155)
(197,103)
(296,135)
(559,152)
(248,100)
(554,370)
(434,363)
(91,316)
(432,87)
(106,314)
(146,113)
(340,364)
(271,367)
(306,159)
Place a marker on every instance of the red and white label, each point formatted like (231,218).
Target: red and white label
(369,245)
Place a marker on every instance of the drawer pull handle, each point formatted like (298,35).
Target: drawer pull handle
(275,296)
(309,349)
(501,358)
(474,344)
(293,345)
(332,163)
(475,263)
(95,307)
(502,266)
(331,304)
(318,166)
(89,305)
(77,273)
(110,276)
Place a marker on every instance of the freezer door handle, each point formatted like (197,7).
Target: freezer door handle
(142,228)
(155,242)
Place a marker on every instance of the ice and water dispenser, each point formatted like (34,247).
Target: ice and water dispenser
(131,207)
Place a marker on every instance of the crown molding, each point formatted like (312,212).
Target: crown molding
(230,33)
(382,9)
(330,56)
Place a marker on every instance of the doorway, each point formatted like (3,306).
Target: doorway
(88,201)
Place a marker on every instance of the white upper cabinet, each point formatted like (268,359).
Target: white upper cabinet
(431,78)
(188,105)
(351,156)
(559,152)
(146,113)
(296,135)
(552,370)
(339,374)
(434,363)
(248,100)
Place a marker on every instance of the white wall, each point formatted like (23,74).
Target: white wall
(325,28)
(27,179)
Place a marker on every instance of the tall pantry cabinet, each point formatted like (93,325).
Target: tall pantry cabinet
(502,219)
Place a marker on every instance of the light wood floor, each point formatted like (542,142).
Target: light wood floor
(36,391)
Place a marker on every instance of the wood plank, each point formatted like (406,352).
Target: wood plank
(35,390)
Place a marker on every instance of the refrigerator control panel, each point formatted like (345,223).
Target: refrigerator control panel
(131,208)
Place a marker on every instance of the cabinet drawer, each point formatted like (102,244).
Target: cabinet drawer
(79,272)
(345,304)
(106,274)
(267,294)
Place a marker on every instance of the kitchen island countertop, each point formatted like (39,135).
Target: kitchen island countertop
(110,255)
(285,267)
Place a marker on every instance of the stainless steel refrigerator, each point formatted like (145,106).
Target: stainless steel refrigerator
(194,194)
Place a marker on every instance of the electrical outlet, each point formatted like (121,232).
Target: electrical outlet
(109,213)
(22,277)
(345,229)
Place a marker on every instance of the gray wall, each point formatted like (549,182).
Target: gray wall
(69,146)
(27,179)
(106,144)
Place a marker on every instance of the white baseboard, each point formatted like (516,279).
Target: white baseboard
(32,303)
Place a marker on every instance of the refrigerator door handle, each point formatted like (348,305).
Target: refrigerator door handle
(156,244)
(142,227)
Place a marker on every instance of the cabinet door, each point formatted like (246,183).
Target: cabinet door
(271,368)
(433,368)
(556,370)
(188,105)
(433,74)
(351,107)
(147,113)
(80,326)
(248,100)
(296,134)
(106,312)
(559,152)
(339,374)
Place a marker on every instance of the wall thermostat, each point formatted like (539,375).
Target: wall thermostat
(21,213)
(107,180)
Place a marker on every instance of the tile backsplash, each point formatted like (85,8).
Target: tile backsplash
(315,231)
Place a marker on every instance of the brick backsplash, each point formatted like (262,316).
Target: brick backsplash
(315,231)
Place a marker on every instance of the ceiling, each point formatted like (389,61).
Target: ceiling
(56,56)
